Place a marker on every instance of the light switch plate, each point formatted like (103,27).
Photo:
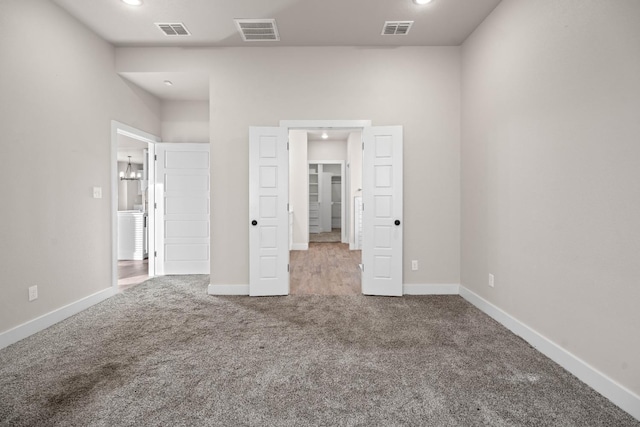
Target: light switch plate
(97,192)
(33,293)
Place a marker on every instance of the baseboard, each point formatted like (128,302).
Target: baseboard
(430,289)
(39,323)
(616,393)
(228,290)
(299,246)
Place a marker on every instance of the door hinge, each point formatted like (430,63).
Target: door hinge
(155,206)
(287,268)
(287,207)
(363,207)
(155,157)
(287,146)
(363,145)
(155,253)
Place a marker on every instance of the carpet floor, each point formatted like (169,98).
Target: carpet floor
(166,354)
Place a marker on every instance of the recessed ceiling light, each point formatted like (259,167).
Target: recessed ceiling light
(324,135)
(168,82)
(421,2)
(133,2)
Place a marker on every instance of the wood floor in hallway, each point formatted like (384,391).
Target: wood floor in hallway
(131,273)
(325,269)
(333,236)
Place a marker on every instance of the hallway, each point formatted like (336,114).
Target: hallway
(325,269)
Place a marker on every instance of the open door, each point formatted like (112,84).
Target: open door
(182,208)
(268,213)
(382,211)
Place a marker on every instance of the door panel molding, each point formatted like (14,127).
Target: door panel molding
(182,210)
(268,220)
(382,211)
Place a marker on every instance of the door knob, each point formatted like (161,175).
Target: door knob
(254,222)
(396,222)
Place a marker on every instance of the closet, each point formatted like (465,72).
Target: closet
(325,197)
(314,198)
(336,201)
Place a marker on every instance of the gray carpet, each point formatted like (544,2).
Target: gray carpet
(165,353)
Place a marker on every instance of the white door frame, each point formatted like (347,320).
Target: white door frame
(118,128)
(329,125)
(358,125)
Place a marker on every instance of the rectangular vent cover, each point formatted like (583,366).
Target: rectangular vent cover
(173,29)
(396,28)
(258,30)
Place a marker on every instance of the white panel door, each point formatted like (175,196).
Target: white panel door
(268,214)
(382,211)
(182,208)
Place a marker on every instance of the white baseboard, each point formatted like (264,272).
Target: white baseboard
(228,289)
(299,246)
(430,289)
(39,323)
(616,393)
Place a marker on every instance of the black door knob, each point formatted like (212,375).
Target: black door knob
(396,222)
(254,222)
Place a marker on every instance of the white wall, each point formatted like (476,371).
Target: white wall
(550,174)
(327,150)
(185,121)
(299,187)
(59,94)
(424,83)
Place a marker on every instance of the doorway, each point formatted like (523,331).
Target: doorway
(322,261)
(132,226)
(133,247)
(272,212)
(326,195)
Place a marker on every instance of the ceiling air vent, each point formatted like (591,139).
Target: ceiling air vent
(257,30)
(396,28)
(173,29)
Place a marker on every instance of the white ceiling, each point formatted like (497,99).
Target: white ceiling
(332,135)
(186,86)
(300,23)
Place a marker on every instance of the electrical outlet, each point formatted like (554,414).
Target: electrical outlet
(491,280)
(97,192)
(414,264)
(33,293)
